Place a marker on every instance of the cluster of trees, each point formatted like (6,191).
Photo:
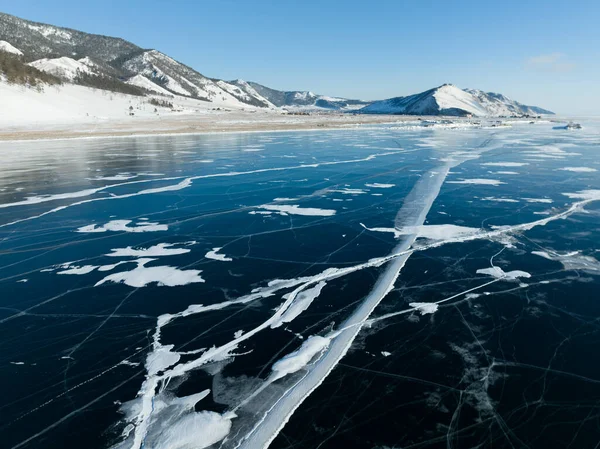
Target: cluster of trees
(162,103)
(107,83)
(17,72)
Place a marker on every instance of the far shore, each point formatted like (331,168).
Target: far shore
(194,124)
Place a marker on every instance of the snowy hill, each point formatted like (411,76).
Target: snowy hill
(68,53)
(5,46)
(64,67)
(63,52)
(450,100)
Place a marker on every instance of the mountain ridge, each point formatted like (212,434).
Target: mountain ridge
(450,100)
(113,63)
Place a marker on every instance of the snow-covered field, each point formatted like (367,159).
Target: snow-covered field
(75,111)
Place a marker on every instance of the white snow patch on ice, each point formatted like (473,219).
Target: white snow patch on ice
(424,307)
(142,276)
(294,209)
(579,169)
(505,164)
(589,195)
(162,249)
(347,191)
(298,359)
(377,185)
(499,273)
(214,255)
(537,200)
(500,200)
(71,269)
(123,226)
(196,430)
(302,301)
(431,232)
(478,181)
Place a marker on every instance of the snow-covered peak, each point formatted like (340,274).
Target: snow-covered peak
(7,47)
(448,99)
(63,67)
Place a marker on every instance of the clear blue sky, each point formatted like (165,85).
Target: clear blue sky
(545,53)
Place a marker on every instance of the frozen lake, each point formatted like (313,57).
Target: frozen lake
(393,286)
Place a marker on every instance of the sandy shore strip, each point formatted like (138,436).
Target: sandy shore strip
(194,124)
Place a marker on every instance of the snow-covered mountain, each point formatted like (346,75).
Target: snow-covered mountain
(69,53)
(305,99)
(115,64)
(450,100)
(39,40)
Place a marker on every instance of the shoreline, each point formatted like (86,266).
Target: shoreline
(189,125)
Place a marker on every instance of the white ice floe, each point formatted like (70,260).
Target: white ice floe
(478,181)
(506,173)
(302,301)
(424,307)
(499,273)
(579,169)
(162,249)
(142,276)
(386,354)
(214,255)
(123,226)
(377,185)
(505,164)
(294,209)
